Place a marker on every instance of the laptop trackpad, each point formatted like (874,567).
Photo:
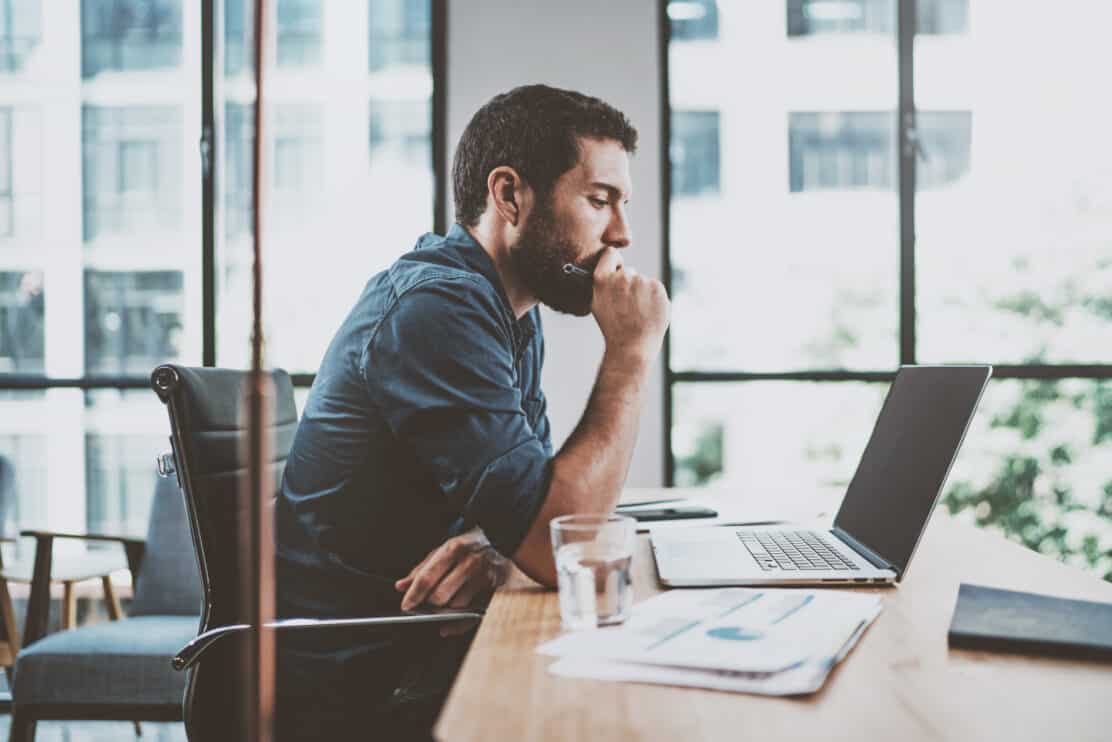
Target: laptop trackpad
(696,552)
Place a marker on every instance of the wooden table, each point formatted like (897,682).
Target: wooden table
(900,683)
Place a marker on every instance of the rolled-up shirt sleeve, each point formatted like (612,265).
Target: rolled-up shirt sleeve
(441,370)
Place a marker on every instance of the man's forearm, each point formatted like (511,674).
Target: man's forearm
(591,468)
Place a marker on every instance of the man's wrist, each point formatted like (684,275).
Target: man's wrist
(627,362)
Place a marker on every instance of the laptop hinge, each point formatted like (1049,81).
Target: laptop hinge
(870,556)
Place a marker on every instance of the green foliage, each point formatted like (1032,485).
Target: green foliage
(705,461)
(1041,492)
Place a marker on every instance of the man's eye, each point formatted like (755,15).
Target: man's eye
(598,203)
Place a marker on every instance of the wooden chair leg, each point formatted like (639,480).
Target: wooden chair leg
(111,601)
(9,631)
(22,729)
(69,606)
(138,729)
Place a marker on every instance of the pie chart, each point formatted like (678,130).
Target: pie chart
(734,634)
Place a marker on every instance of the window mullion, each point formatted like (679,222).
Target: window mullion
(906,11)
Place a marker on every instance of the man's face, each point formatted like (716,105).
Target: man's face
(583,215)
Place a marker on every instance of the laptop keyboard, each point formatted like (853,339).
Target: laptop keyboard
(793,551)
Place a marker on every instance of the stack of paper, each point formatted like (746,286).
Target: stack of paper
(769,641)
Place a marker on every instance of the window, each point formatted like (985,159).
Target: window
(299,32)
(297,151)
(130,35)
(693,20)
(400,130)
(944,152)
(21,166)
(813,17)
(841,150)
(942,17)
(23,455)
(137,170)
(7,201)
(133,321)
(798,290)
(400,32)
(103,259)
(238,36)
(20,32)
(21,322)
(694,152)
(239,141)
(132,169)
(342,146)
(856,150)
(100,261)
(123,435)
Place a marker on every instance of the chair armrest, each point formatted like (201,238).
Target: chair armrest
(133,545)
(42,532)
(192,651)
(38,603)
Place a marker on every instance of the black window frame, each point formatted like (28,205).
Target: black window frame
(906,21)
(209,157)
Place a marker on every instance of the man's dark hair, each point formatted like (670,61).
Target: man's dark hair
(535,129)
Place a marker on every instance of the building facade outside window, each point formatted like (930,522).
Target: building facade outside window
(22,306)
(694,151)
(20,174)
(299,32)
(132,169)
(20,32)
(848,150)
(693,20)
(7,199)
(812,17)
(400,130)
(400,33)
(118,35)
(133,321)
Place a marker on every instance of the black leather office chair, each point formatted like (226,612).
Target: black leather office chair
(207,433)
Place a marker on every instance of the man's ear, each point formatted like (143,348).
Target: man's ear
(506,188)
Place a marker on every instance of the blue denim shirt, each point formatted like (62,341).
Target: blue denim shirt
(425,419)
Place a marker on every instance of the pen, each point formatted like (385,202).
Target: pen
(575,270)
(626,505)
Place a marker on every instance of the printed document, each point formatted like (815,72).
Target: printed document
(776,641)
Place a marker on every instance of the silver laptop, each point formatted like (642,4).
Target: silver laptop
(884,511)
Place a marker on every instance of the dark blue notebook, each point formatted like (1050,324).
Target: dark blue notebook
(988,618)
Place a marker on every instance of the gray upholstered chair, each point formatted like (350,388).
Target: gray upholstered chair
(117,669)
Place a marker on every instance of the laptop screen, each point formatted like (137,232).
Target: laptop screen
(908,456)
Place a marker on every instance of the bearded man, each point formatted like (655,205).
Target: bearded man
(423,459)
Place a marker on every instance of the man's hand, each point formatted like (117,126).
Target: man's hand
(631,310)
(461,572)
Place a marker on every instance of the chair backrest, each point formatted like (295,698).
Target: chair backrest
(168,582)
(209,435)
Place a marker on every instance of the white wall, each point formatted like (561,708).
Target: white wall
(609,50)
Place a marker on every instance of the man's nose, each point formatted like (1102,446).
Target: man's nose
(618,233)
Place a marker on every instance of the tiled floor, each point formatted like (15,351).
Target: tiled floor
(100,731)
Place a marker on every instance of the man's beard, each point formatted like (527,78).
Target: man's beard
(538,259)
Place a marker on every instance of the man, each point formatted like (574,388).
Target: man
(423,453)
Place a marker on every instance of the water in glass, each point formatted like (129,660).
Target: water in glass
(595,584)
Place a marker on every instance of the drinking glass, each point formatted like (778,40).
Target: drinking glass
(593,556)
